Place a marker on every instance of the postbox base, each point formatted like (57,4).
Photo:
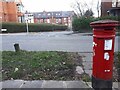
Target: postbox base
(99,84)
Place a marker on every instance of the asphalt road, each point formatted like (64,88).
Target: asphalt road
(49,41)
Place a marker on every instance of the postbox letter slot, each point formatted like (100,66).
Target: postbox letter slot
(107,70)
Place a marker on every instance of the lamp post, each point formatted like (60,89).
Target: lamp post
(27,26)
(26,20)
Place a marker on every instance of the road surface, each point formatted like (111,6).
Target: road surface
(49,41)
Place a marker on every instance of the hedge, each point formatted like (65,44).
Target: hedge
(82,24)
(21,27)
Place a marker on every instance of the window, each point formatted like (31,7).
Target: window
(19,19)
(115,4)
(48,20)
(118,3)
(57,20)
(20,7)
(66,24)
(38,20)
(60,21)
(48,14)
(41,20)
(65,19)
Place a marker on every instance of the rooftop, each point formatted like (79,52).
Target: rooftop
(57,14)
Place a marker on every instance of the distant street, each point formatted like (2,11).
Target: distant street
(49,41)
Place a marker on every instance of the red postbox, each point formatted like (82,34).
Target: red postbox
(103,52)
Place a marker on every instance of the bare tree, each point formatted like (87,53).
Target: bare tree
(81,7)
(78,5)
(116,3)
(98,7)
(88,13)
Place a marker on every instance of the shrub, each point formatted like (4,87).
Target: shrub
(110,18)
(14,27)
(21,27)
(82,24)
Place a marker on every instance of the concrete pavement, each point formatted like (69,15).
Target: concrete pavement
(87,62)
(43,84)
(87,67)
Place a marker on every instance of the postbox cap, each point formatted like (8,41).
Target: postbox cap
(104,23)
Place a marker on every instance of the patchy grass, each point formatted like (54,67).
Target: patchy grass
(85,77)
(32,65)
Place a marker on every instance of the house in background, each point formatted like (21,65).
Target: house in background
(55,17)
(110,7)
(115,10)
(11,11)
(28,17)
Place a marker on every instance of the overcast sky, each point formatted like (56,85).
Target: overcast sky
(53,5)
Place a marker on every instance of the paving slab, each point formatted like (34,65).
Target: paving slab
(12,83)
(116,85)
(0,85)
(87,56)
(87,62)
(89,72)
(87,65)
(32,84)
(119,85)
(11,89)
(53,84)
(76,84)
(20,84)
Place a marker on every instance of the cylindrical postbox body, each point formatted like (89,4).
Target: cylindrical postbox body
(103,53)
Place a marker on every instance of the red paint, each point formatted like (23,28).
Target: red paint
(103,30)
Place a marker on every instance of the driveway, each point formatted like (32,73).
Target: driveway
(49,41)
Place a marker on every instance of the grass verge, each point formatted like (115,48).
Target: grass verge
(32,65)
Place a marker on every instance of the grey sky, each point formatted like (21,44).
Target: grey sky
(54,5)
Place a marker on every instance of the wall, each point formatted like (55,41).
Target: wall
(105,6)
(1,11)
(9,11)
(64,21)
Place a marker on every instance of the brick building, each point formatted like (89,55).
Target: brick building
(115,9)
(110,7)
(105,6)
(56,17)
(11,11)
